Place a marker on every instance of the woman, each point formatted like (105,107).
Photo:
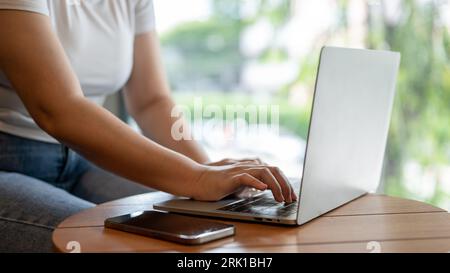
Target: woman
(58,61)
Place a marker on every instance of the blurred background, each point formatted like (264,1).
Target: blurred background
(266,52)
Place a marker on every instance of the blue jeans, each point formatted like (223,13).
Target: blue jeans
(41,184)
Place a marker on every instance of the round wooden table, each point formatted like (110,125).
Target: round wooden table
(372,223)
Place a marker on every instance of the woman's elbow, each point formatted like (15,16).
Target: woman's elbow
(64,120)
(47,123)
(52,120)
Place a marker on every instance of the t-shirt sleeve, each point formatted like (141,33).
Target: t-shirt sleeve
(144,16)
(38,6)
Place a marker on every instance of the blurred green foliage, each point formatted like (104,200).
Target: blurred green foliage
(206,54)
(203,51)
(420,129)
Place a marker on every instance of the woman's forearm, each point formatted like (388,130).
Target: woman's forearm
(156,122)
(111,144)
(148,98)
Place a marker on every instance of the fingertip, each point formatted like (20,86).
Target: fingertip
(262,187)
(276,198)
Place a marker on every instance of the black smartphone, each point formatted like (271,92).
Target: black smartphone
(172,227)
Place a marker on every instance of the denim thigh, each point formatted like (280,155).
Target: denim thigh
(53,163)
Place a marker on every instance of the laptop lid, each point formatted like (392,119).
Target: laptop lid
(349,125)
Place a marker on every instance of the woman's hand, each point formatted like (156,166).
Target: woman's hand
(228,176)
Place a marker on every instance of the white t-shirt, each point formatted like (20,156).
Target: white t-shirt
(97,36)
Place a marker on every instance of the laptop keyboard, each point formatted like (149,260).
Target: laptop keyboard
(262,205)
(265,205)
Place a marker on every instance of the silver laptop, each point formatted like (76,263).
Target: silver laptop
(348,129)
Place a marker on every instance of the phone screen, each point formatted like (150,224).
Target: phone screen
(174,227)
